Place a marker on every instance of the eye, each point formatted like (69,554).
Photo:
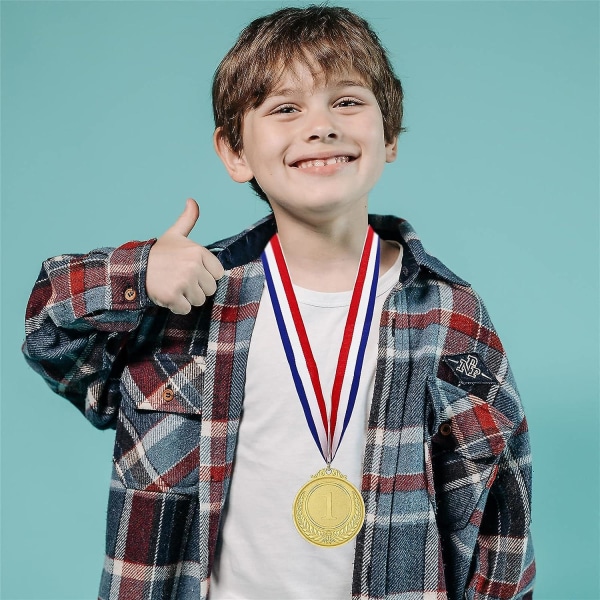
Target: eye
(284,109)
(349,101)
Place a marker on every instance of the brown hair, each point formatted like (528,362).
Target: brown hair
(328,39)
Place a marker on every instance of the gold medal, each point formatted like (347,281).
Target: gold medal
(328,510)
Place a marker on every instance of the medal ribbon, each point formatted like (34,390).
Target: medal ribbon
(305,373)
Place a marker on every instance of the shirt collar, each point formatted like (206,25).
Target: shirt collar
(249,244)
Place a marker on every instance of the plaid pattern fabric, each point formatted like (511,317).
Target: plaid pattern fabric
(447,466)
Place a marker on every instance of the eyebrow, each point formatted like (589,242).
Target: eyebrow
(292,91)
(350,83)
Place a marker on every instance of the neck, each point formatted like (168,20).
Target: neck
(325,257)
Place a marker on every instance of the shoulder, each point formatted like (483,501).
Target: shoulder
(416,260)
(435,295)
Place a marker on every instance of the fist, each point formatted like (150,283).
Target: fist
(181,273)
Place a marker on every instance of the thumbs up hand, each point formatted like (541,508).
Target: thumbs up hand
(181,273)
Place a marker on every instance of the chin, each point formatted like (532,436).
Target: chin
(319,202)
(325,206)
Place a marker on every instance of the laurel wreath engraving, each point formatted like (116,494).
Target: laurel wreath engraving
(323,536)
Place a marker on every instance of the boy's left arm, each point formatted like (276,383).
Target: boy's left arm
(481,460)
(503,565)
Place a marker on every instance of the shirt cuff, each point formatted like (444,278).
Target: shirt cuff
(126,275)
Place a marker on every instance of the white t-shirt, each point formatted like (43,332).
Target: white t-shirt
(260,554)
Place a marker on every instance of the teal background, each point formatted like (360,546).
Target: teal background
(106,129)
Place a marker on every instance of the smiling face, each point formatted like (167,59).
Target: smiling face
(316,146)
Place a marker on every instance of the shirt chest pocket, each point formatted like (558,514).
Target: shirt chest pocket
(158,429)
(467,436)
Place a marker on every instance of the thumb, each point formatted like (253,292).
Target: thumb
(187,219)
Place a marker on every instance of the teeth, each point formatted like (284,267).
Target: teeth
(304,164)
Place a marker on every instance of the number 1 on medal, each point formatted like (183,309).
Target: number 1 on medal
(328,506)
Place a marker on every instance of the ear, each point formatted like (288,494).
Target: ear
(235,163)
(391,150)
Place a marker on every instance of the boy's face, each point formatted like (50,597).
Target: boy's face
(315,147)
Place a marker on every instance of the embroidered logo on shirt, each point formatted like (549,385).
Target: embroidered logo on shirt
(469,368)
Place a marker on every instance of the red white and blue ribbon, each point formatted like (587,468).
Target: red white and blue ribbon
(324,427)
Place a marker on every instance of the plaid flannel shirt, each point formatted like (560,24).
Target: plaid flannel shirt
(447,465)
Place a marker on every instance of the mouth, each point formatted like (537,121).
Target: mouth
(321,162)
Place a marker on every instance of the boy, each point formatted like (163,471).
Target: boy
(256,386)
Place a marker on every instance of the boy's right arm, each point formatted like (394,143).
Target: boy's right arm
(84,309)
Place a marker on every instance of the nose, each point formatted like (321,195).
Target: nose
(321,126)
(323,133)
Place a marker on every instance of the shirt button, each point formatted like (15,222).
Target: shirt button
(130,294)
(168,395)
(445,428)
